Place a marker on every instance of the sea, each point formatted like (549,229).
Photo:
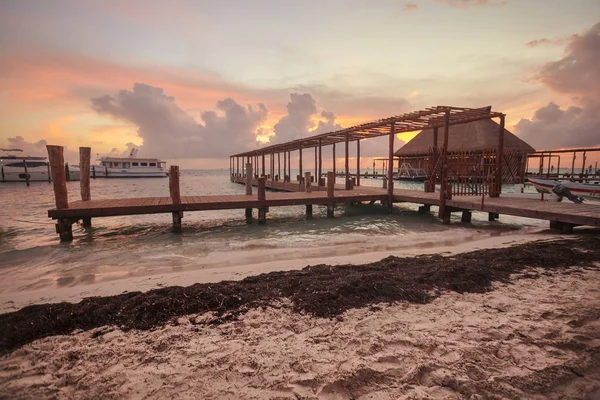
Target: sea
(33,259)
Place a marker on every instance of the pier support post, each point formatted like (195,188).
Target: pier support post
(309,211)
(64,228)
(175,196)
(493,216)
(248,215)
(446,217)
(425,208)
(3,178)
(248,179)
(307,182)
(177,216)
(330,192)
(466,217)
(385,183)
(347,164)
(87,222)
(59,180)
(84,168)
(262,211)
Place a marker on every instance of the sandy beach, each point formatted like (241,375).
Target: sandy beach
(532,335)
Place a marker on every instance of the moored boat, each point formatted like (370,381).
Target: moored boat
(129,167)
(584,190)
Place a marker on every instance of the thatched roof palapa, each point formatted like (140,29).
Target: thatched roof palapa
(472,136)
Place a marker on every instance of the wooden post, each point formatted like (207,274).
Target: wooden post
(237,167)
(334,170)
(573,164)
(248,215)
(466,217)
(549,164)
(433,160)
(307,182)
(59,180)
(444,183)
(262,211)
(385,183)
(249,177)
(4,179)
(59,184)
(316,164)
(583,166)
(85,154)
(320,164)
(94,171)
(309,211)
(263,164)
(390,177)
(67,172)
(278,165)
(500,158)
(347,163)
(285,161)
(358,162)
(174,184)
(26,172)
(330,192)
(300,162)
(289,166)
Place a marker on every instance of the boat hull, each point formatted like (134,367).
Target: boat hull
(103,172)
(578,189)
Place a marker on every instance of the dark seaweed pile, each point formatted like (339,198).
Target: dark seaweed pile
(319,290)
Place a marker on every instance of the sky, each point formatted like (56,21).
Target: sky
(194,81)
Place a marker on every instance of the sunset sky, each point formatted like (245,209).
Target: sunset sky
(195,81)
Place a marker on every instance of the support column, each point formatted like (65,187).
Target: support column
(84,168)
(262,210)
(358,162)
(263,164)
(347,164)
(278,165)
(289,166)
(466,217)
(583,166)
(59,180)
(284,166)
(316,164)
(309,211)
(330,192)
(334,170)
(500,158)
(175,196)
(390,172)
(300,164)
(307,182)
(444,178)
(249,176)
(320,164)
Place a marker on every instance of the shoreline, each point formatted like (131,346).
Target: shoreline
(237,266)
(518,322)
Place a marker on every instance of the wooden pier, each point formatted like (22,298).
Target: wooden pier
(307,191)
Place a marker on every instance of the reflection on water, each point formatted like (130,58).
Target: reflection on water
(31,256)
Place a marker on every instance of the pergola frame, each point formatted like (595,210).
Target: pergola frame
(429,118)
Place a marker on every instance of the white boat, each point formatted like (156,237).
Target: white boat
(129,167)
(12,168)
(584,190)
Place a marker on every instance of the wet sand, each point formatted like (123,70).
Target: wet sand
(521,322)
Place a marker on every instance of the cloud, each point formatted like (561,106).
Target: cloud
(576,74)
(329,124)
(298,122)
(408,7)
(168,131)
(561,40)
(473,3)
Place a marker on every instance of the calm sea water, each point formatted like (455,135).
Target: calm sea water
(31,256)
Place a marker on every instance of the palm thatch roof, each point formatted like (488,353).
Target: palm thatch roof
(471,136)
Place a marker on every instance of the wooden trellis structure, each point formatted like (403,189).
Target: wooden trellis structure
(430,118)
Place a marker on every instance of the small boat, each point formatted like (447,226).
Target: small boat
(12,168)
(584,190)
(129,167)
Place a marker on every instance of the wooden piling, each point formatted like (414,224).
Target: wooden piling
(330,192)
(466,217)
(59,180)
(424,208)
(309,211)
(347,164)
(248,215)
(358,162)
(248,179)
(262,211)
(307,182)
(93,171)
(385,182)
(174,184)
(320,164)
(444,174)
(26,172)
(85,154)
(67,172)
(4,179)
(390,177)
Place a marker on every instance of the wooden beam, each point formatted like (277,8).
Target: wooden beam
(59,179)
(358,162)
(320,164)
(334,170)
(249,176)
(347,165)
(85,154)
(174,184)
(500,158)
(444,178)
(300,164)
(390,171)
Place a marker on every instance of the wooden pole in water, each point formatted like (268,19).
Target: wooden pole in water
(285,162)
(4,180)
(85,154)
(59,180)
(249,179)
(444,177)
(26,172)
(262,210)
(300,163)
(67,172)
(263,164)
(334,170)
(347,165)
(307,182)
(278,165)
(330,192)
(174,184)
(289,166)
(316,164)
(320,164)
(390,172)
(358,162)
(500,158)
